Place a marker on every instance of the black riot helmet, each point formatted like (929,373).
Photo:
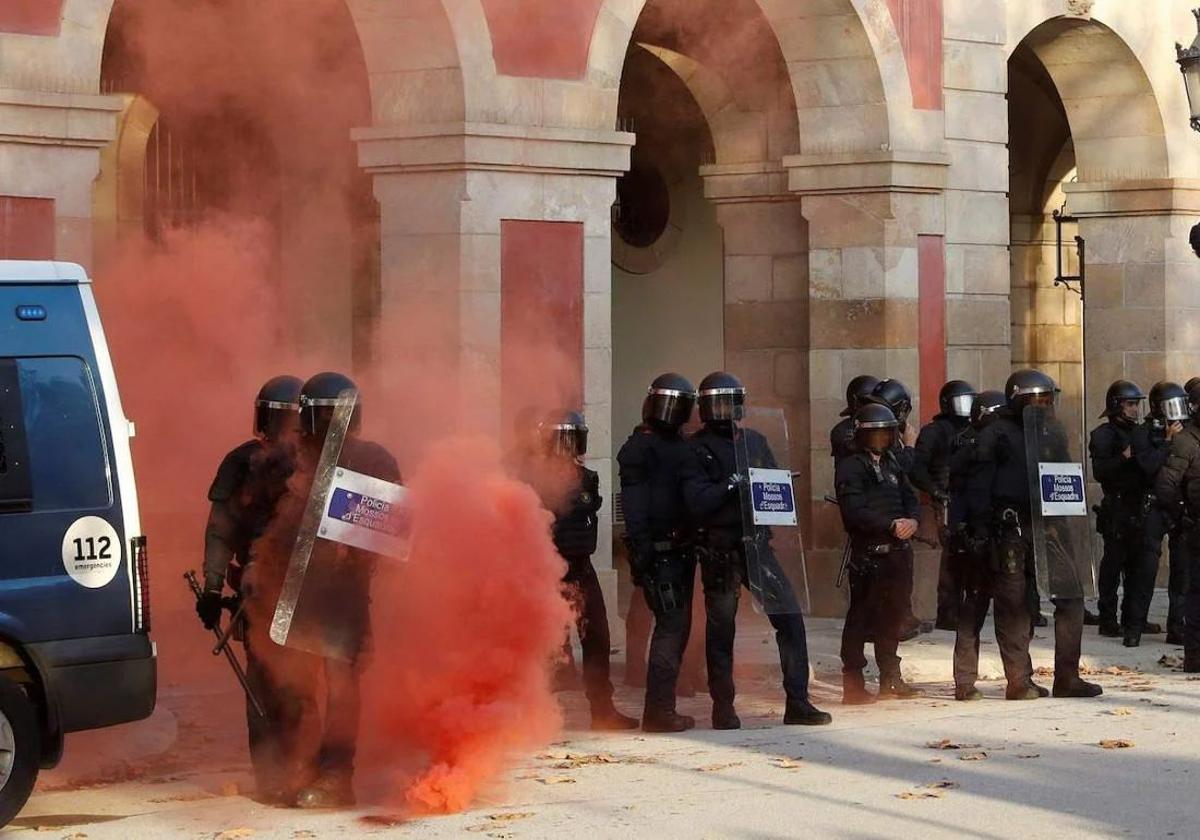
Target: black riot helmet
(722,398)
(875,428)
(1194,400)
(319,398)
(277,401)
(1119,393)
(1191,383)
(1169,402)
(1026,386)
(985,406)
(565,434)
(857,391)
(956,397)
(895,395)
(669,401)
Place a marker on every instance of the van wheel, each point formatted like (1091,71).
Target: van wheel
(20,749)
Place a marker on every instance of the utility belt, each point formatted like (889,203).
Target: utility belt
(865,555)
(1116,514)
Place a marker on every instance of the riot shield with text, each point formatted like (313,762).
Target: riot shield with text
(350,519)
(1058,499)
(770,526)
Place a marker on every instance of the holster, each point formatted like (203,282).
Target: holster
(1009,550)
(720,567)
(665,581)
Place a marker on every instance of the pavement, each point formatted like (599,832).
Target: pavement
(1125,764)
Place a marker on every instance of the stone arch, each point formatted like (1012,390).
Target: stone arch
(838,55)
(1110,104)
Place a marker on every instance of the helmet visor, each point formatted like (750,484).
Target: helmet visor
(567,441)
(671,407)
(1174,409)
(961,405)
(722,405)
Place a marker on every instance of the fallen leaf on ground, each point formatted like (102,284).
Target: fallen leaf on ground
(944,784)
(1171,660)
(788,763)
(235,834)
(1122,711)
(947,744)
(1029,755)
(1044,671)
(920,794)
(303,834)
(975,756)
(570,762)
(509,817)
(556,780)
(1116,744)
(713,768)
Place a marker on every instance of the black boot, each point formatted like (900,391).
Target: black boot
(1191,661)
(967,692)
(804,713)
(1090,619)
(1076,687)
(1110,628)
(606,718)
(333,791)
(724,717)
(1152,628)
(1132,638)
(854,689)
(894,686)
(655,721)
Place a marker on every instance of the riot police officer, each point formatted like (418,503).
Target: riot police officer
(880,513)
(575,506)
(652,464)
(931,474)
(714,500)
(1151,445)
(244,492)
(992,571)
(1120,517)
(1178,487)
(841,437)
(1000,512)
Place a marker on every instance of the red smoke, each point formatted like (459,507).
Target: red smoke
(263,280)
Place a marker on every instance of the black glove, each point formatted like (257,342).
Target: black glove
(208,607)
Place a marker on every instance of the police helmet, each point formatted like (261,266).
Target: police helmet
(895,395)
(565,433)
(1025,384)
(1194,400)
(277,400)
(669,401)
(1169,402)
(857,391)
(319,398)
(722,398)
(872,418)
(1119,393)
(1191,383)
(956,397)
(985,405)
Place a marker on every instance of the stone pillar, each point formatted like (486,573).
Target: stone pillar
(1142,288)
(865,213)
(50,148)
(444,192)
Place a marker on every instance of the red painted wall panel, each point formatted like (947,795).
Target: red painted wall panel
(919,24)
(541,316)
(931,320)
(26,228)
(31,17)
(548,39)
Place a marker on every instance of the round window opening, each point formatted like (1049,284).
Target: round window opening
(643,206)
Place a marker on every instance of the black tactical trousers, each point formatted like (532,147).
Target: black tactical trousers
(724,573)
(1191,606)
(1158,526)
(949,589)
(1008,591)
(1125,561)
(276,734)
(878,593)
(1068,638)
(668,593)
(592,623)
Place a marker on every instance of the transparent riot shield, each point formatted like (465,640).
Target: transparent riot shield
(350,519)
(1058,497)
(770,526)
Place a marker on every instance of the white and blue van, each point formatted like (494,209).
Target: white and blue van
(75,649)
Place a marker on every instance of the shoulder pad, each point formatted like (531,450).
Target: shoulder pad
(232,472)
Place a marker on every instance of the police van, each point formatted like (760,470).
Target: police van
(75,649)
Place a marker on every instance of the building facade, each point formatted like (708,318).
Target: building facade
(795,190)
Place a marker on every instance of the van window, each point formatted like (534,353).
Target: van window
(67,457)
(16,488)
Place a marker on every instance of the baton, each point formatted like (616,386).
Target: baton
(194,585)
(225,635)
(844,566)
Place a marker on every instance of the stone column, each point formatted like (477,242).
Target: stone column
(50,148)
(444,192)
(865,213)
(1142,287)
